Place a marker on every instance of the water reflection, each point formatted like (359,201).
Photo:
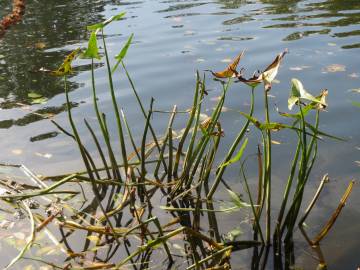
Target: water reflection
(233,4)
(53,25)
(34,116)
(304,15)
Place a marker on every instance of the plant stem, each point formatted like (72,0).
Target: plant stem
(267,171)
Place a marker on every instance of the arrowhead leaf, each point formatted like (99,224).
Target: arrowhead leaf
(122,53)
(101,25)
(238,155)
(298,92)
(92,50)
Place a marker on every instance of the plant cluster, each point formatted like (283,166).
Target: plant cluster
(124,225)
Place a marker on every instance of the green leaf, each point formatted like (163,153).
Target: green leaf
(321,133)
(34,95)
(275,126)
(236,200)
(298,92)
(355,103)
(238,155)
(101,25)
(122,53)
(253,120)
(41,100)
(234,233)
(92,50)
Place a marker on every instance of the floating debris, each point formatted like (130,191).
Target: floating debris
(335,68)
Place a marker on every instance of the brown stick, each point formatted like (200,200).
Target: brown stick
(335,215)
(14,17)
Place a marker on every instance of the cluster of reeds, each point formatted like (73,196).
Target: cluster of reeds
(124,224)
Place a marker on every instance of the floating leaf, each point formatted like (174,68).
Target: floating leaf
(34,95)
(335,68)
(101,25)
(123,52)
(238,155)
(41,100)
(40,45)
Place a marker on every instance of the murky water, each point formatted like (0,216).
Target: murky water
(172,40)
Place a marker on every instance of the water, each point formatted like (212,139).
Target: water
(172,40)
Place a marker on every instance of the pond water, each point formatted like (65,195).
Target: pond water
(172,40)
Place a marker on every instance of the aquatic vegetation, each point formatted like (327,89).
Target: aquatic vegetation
(230,71)
(156,203)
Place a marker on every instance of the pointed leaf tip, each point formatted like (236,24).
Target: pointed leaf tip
(101,25)
(122,53)
(298,92)
(238,155)
(92,50)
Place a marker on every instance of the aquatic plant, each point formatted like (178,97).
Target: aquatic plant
(126,224)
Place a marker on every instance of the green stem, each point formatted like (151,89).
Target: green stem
(86,162)
(267,171)
(116,173)
(231,150)
(115,105)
